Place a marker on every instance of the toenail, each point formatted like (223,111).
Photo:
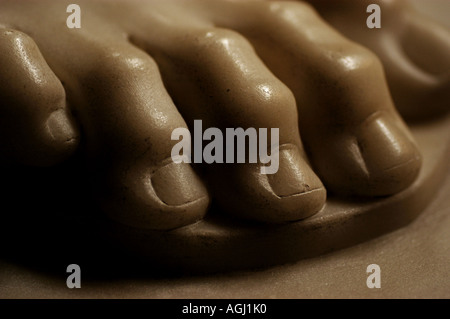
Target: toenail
(294,176)
(177,184)
(60,127)
(383,145)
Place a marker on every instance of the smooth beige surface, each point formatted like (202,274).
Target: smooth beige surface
(437,9)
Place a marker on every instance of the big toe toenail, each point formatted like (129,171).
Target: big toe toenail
(177,184)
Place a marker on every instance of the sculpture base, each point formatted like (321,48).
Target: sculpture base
(54,227)
(219,243)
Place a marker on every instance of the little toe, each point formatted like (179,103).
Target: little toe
(36,126)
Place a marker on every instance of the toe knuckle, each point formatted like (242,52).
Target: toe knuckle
(13,36)
(36,83)
(353,64)
(268,101)
(216,39)
(281,10)
(118,62)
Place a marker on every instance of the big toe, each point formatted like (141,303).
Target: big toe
(162,198)
(128,119)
